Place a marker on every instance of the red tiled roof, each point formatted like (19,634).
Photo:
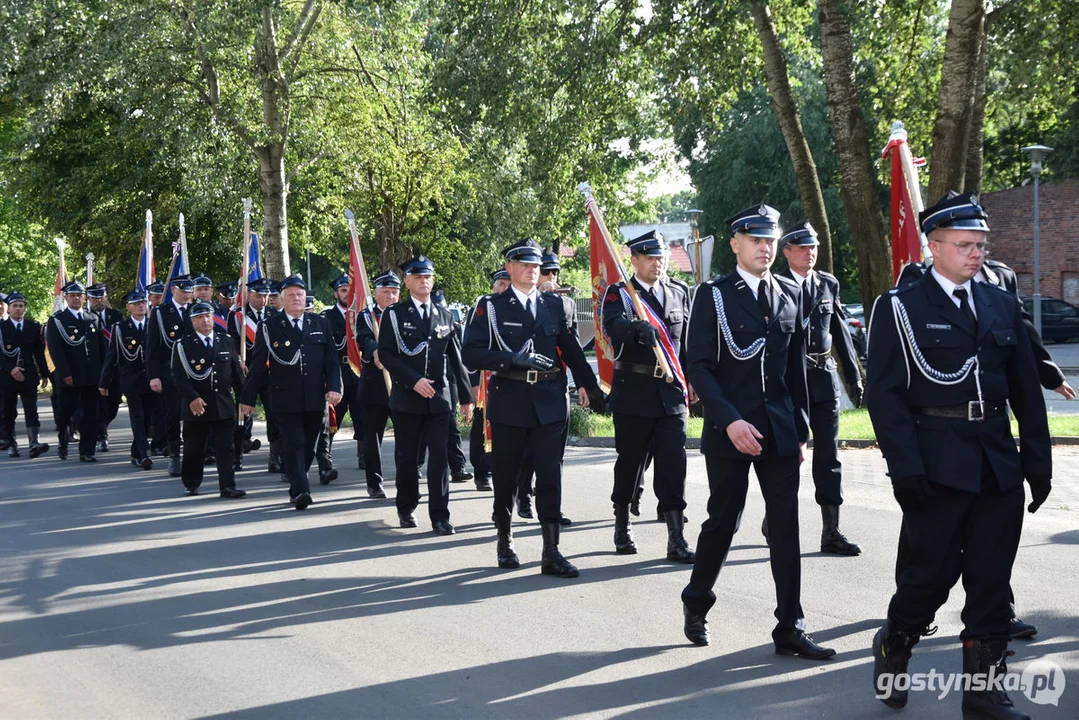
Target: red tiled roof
(680,259)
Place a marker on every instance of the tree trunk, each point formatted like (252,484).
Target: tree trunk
(858,186)
(805,169)
(947,163)
(274,186)
(972,177)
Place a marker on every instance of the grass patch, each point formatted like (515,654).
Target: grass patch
(853,425)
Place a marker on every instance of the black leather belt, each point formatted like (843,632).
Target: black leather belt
(530,376)
(651,370)
(974,411)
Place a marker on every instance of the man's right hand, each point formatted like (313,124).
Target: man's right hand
(16,373)
(912,492)
(155,385)
(69,381)
(644,333)
(424,388)
(532,361)
(745,437)
(378,363)
(104,392)
(246,410)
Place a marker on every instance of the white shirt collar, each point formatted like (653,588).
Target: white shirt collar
(292,320)
(428,303)
(752,280)
(523,299)
(342,310)
(177,305)
(204,338)
(949,286)
(799,276)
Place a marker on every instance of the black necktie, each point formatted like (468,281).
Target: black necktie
(763,301)
(964,305)
(18,326)
(423,312)
(209,342)
(183,312)
(528,306)
(807,298)
(296,324)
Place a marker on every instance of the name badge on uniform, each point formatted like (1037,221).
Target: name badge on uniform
(408,325)
(826,304)
(512,324)
(931,326)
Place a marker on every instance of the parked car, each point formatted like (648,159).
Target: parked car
(855,315)
(1060,320)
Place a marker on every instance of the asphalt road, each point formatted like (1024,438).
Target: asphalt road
(121,599)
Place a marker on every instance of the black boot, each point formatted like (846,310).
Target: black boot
(524,506)
(891,653)
(61,450)
(13,448)
(174,465)
(677,547)
(832,541)
(507,558)
(37,448)
(553,562)
(988,659)
(623,532)
(274,463)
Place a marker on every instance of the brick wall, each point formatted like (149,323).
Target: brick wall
(1011,217)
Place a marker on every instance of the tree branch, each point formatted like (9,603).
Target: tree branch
(302,28)
(299,41)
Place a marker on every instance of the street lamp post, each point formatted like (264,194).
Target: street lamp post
(693,216)
(1037,156)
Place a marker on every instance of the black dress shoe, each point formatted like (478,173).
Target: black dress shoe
(252,445)
(483,484)
(209,460)
(564,521)
(87,458)
(174,466)
(13,451)
(325,477)
(524,507)
(375,491)
(635,507)
(238,464)
(302,500)
(796,642)
(443,527)
(103,445)
(696,627)
(1019,630)
(461,476)
(146,464)
(233,492)
(134,462)
(61,452)
(191,492)
(408,520)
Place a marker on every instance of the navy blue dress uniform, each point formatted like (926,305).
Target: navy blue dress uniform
(225,303)
(745,353)
(159,435)
(827,339)
(125,359)
(76,348)
(252,319)
(300,366)
(107,317)
(327,472)
(350,402)
(650,414)
(416,343)
(168,323)
(549,269)
(525,339)
(946,360)
(1050,376)
(371,392)
(22,347)
(477,452)
(206,367)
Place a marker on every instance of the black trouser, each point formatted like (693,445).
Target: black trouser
(350,405)
(411,432)
(477,454)
(299,433)
(141,407)
(196,433)
(637,439)
(544,444)
(273,431)
(12,391)
(159,434)
(960,534)
(68,401)
(728,482)
(374,427)
(827,470)
(454,455)
(528,466)
(109,406)
(172,411)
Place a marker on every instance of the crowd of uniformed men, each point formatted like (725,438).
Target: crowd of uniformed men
(951,351)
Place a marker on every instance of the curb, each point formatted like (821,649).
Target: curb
(695,443)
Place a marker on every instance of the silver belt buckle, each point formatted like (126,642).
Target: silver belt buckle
(532,377)
(657,372)
(976,410)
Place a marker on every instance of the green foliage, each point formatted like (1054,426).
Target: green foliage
(581,421)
